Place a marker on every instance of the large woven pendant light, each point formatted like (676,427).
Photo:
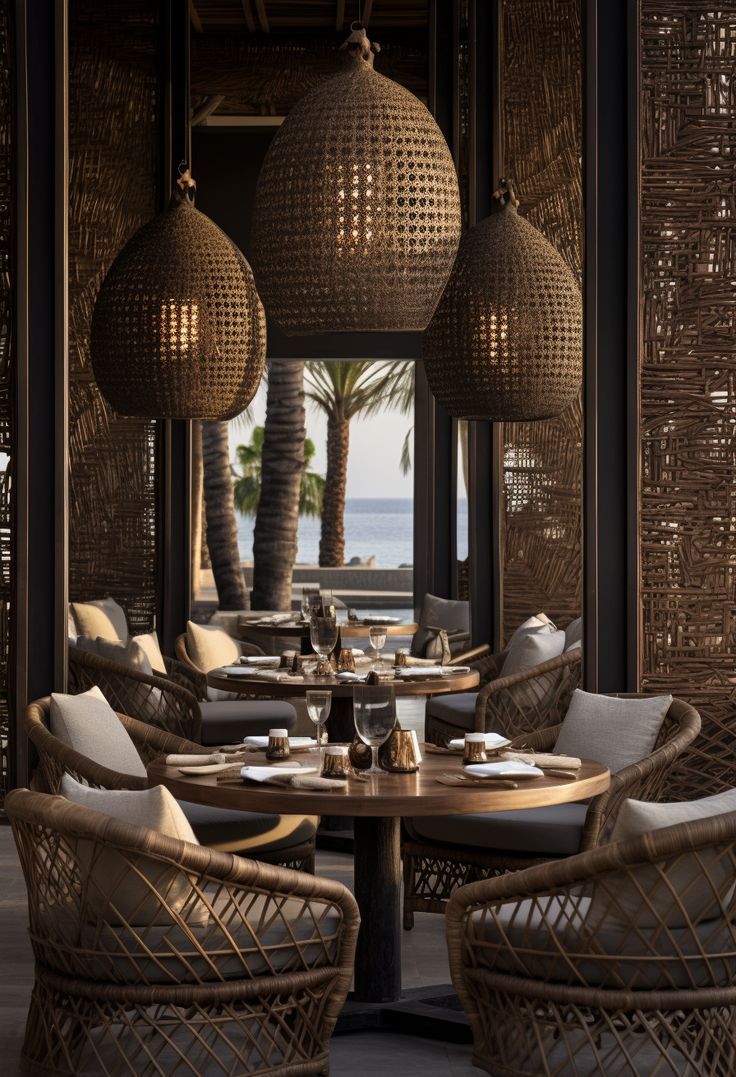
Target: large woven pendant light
(357,208)
(178,330)
(505,343)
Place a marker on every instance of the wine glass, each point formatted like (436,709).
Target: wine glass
(323,636)
(311,600)
(377,636)
(318,709)
(374,711)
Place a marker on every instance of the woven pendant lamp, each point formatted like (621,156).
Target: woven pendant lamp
(178,330)
(505,343)
(357,208)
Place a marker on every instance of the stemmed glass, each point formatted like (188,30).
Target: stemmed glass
(318,709)
(377,636)
(323,636)
(311,601)
(374,711)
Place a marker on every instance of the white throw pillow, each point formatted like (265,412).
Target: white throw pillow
(117,892)
(89,725)
(129,654)
(101,617)
(148,642)
(540,622)
(209,647)
(702,882)
(612,731)
(527,651)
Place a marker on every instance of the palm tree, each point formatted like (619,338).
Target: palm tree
(222,529)
(247,487)
(282,465)
(343,390)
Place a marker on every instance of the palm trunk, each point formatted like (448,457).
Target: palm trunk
(282,467)
(222,529)
(197,497)
(332,535)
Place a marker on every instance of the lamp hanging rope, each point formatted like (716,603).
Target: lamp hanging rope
(357,208)
(178,330)
(505,343)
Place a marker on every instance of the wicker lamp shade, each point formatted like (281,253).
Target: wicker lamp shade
(505,343)
(357,208)
(178,329)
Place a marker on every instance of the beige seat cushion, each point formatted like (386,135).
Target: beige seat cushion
(555,831)
(101,617)
(210,647)
(228,722)
(262,938)
(605,954)
(615,732)
(697,886)
(148,642)
(89,725)
(531,649)
(128,653)
(245,832)
(121,888)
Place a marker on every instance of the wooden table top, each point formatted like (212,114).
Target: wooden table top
(425,686)
(383,795)
(300,629)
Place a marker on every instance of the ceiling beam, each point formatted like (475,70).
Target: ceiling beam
(194,18)
(249,16)
(206,109)
(340,16)
(262,16)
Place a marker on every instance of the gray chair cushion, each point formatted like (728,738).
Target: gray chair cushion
(247,832)
(227,723)
(555,830)
(457,709)
(451,614)
(615,732)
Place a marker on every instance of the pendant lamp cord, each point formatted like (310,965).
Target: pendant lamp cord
(505,194)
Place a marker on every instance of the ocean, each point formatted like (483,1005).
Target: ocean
(374,527)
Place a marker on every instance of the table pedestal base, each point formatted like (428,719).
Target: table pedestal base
(431,1012)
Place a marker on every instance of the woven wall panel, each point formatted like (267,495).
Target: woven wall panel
(7,359)
(541,139)
(688,363)
(113,140)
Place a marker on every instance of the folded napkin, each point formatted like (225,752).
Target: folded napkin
(276,675)
(424,671)
(502,770)
(351,677)
(377,621)
(195,760)
(275,619)
(275,775)
(493,741)
(455,671)
(294,742)
(411,662)
(314,781)
(268,661)
(544,759)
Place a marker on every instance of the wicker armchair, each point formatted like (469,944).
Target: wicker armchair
(621,960)
(166,702)
(185,659)
(514,705)
(236,966)
(286,841)
(433,868)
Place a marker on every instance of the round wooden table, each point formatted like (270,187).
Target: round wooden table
(340,725)
(378,805)
(300,630)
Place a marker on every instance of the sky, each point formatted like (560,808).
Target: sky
(375,449)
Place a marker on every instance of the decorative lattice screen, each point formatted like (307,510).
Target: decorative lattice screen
(113,141)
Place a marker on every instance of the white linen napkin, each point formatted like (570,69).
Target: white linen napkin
(266,661)
(194,760)
(275,775)
(493,741)
(418,673)
(294,742)
(350,678)
(502,770)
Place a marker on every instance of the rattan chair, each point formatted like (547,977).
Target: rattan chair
(267,837)
(185,658)
(515,705)
(621,960)
(236,967)
(177,702)
(434,868)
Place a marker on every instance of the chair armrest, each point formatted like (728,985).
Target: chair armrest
(483,651)
(543,740)
(57,759)
(506,702)
(152,741)
(188,677)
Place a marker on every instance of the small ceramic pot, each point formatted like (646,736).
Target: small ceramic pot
(278,744)
(475,748)
(336,763)
(346,661)
(401,752)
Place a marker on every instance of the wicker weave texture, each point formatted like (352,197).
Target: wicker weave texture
(687,138)
(244,970)
(178,329)
(357,210)
(558,975)
(506,340)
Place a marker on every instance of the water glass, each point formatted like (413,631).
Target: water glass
(318,709)
(323,636)
(311,602)
(377,636)
(374,711)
